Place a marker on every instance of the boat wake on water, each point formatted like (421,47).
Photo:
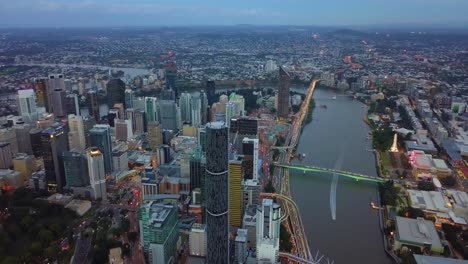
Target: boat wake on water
(334,186)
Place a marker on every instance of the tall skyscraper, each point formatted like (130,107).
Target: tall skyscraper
(54,143)
(155,138)
(230,112)
(6,155)
(197,170)
(76,133)
(27,104)
(129,96)
(283,94)
(217,191)
(40,88)
(123,130)
(250,193)
(235,192)
(100,137)
(35,136)
(168,115)
(141,125)
(196,112)
(115,92)
(112,116)
(211,92)
(204,107)
(171,75)
(268,231)
(197,240)
(88,124)
(96,172)
(22,137)
(59,103)
(55,82)
(93,106)
(72,104)
(250,152)
(76,169)
(158,231)
(151,109)
(185,109)
(239,104)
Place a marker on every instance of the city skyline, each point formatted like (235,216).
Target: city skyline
(89,13)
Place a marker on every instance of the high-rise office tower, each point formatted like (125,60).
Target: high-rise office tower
(112,116)
(235,192)
(76,169)
(250,152)
(54,143)
(22,137)
(8,135)
(151,109)
(204,107)
(120,109)
(239,104)
(217,191)
(283,94)
(96,172)
(229,113)
(241,246)
(93,106)
(76,133)
(158,231)
(72,104)
(55,82)
(119,161)
(27,104)
(268,231)
(130,115)
(35,136)
(211,92)
(40,88)
(171,75)
(201,137)
(115,92)
(100,137)
(59,103)
(141,125)
(196,112)
(250,193)
(240,128)
(6,155)
(88,124)
(123,130)
(155,138)
(139,104)
(185,109)
(129,96)
(197,170)
(168,115)
(197,240)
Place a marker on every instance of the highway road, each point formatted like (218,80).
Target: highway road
(282,179)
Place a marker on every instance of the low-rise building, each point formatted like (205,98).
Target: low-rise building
(418,233)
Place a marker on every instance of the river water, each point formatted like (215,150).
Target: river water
(336,138)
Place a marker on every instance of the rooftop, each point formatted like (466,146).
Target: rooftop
(417,231)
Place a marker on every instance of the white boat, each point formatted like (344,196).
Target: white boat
(334,97)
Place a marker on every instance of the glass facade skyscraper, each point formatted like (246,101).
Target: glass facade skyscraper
(217,191)
(54,143)
(100,137)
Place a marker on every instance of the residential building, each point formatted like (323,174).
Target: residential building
(283,94)
(96,172)
(198,240)
(235,192)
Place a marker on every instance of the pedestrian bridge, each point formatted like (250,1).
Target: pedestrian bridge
(347,174)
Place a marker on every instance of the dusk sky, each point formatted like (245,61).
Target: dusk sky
(217,12)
